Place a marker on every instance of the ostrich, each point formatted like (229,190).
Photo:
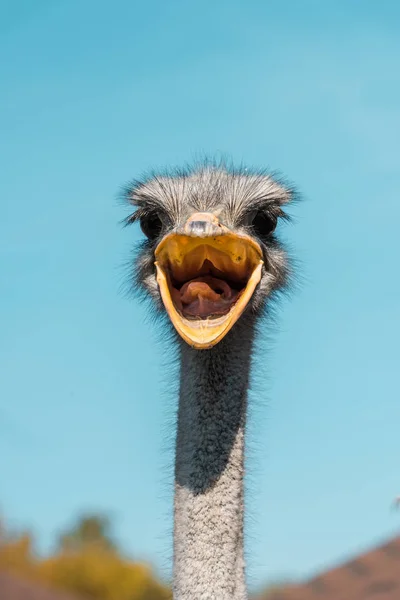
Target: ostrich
(210,261)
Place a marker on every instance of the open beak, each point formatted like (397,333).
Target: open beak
(206,276)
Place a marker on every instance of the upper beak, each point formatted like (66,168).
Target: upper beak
(203,248)
(204,224)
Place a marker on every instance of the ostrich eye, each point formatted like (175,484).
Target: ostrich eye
(151,226)
(263,224)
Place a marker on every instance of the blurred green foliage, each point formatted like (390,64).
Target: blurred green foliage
(86,562)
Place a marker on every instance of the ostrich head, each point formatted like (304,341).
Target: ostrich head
(210,253)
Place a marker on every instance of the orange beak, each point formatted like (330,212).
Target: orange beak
(211,269)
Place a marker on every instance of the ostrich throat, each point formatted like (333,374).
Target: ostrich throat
(209,469)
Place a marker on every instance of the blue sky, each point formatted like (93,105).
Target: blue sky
(93,94)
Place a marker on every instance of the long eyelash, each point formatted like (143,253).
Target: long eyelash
(272,211)
(131,219)
(140,212)
(281,214)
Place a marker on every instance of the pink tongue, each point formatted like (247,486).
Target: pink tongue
(205,296)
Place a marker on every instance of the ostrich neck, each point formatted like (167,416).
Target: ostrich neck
(209,469)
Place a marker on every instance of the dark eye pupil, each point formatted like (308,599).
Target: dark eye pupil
(151,226)
(263,224)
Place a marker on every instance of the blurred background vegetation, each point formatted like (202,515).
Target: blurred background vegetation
(86,561)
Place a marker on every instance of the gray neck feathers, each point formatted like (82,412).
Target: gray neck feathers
(209,469)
